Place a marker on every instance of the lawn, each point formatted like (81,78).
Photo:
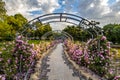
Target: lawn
(116,52)
(36,41)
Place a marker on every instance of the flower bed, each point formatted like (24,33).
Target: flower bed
(91,56)
(18,56)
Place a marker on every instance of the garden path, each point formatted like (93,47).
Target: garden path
(57,68)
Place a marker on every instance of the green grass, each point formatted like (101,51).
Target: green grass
(36,41)
(116,52)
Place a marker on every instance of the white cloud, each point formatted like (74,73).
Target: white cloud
(119,12)
(99,10)
(92,5)
(48,6)
(61,25)
(101,7)
(26,6)
(117,0)
(63,2)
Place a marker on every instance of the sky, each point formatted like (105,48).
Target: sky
(103,11)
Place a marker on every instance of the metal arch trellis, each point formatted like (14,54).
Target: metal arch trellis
(56,31)
(61,17)
(65,17)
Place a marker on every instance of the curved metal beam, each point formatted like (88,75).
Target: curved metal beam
(67,14)
(62,32)
(90,25)
(61,21)
(68,35)
(60,17)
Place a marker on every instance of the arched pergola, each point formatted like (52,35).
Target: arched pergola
(68,18)
(64,17)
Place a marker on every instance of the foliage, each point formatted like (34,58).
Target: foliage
(17,21)
(5,32)
(11,25)
(81,34)
(37,30)
(77,33)
(112,32)
(41,30)
(2,9)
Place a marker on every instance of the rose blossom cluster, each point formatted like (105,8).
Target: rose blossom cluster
(117,77)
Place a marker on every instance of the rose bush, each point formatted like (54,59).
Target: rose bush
(90,55)
(16,57)
(99,55)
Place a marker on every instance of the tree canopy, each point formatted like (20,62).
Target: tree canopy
(10,25)
(112,32)
(2,9)
(77,32)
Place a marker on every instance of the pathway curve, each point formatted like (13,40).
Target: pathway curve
(55,67)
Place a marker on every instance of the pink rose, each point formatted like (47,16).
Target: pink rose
(103,38)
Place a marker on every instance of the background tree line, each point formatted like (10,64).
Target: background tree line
(111,31)
(37,30)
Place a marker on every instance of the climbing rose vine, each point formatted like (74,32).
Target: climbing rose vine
(24,54)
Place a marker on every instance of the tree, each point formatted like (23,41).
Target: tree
(21,20)
(17,21)
(112,31)
(11,25)
(73,31)
(116,32)
(5,31)
(77,32)
(2,9)
(42,29)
